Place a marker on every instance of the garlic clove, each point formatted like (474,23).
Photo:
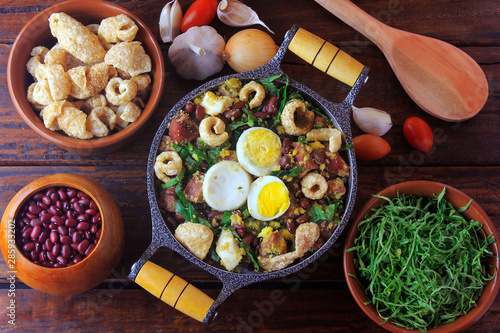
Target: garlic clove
(371,120)
(170,21)
(237,14)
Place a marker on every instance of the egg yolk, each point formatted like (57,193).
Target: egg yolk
(262,148)
(272,200)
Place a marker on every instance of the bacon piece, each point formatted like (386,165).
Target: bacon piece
(167,200)
(336,164)
(194,189)
(183,128)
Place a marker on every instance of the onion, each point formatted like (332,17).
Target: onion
(249,49)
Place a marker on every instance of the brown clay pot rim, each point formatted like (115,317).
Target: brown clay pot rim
(23,106)
(458,199)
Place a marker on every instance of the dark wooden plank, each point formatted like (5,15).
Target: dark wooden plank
(458,23)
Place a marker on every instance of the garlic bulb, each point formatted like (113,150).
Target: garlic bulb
(248,49)
(170,21)
(197,53)
(237,14)
(371,120)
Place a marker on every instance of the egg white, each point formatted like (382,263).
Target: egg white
(253,198)
(260,147)
(226,185)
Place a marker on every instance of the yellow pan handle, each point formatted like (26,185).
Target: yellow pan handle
(174,291)
(326,57)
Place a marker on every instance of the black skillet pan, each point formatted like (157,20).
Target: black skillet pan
(175,291)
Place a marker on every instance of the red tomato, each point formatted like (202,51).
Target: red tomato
(418,134)
(201,12)
(369,147)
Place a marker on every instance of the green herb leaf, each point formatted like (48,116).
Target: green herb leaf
(176,180)
(287,173)
(420,263)
(245,247)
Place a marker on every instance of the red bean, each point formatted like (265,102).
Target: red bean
(84,244)
(46,218)
(31,215)
(78,208)
(48,245)
(90,249)
(70,222)
(290,225)
(65,239)
(285,162)
(57,220)
(286,145)
(66,251)
(34,209)
(43,236)
(56,249)
(82,217)
(51,257)
(54,228)
(54,237)
(77,237)
(62,195)
(61,260)
(46,200)
(82,195)
(305,203)
(38,196)
(62,230)
(199,113)
(71,193)
(29,247)
(189,107)
(83,226)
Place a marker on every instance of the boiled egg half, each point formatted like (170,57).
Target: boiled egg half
(258,150)
(268,198)
(226,186)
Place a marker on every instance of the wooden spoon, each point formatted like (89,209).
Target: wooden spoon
(443,80)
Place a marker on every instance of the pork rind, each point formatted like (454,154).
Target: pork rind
(75,38)
(50,114)
(118,28)
(72,122)
(57,80)
(142,81)
(56,56)
(87,82)
(129,57)
(196,237)
(126,114)
(94,102)
(37,58)
(100,121)
(120,92)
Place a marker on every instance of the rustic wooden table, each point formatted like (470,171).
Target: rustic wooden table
(466,156)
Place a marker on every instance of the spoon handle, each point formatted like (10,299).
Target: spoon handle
(357,19)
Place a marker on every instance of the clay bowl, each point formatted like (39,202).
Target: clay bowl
(36,32)
(79,277)
(458,199)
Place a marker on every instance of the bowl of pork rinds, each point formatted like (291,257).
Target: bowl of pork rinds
(86,75)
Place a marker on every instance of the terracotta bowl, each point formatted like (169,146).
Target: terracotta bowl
(79,277)
(457,199)
(36,32)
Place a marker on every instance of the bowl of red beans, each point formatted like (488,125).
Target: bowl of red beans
(62,234)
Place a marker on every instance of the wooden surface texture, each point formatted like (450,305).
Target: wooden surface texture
(465,155)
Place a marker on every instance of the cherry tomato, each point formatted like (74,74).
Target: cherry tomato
(369,147)
(418,134)
(200,13)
